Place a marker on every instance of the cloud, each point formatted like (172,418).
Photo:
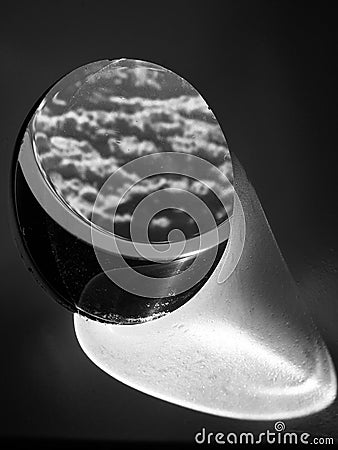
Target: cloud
(80,141)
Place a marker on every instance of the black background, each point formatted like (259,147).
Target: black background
(268,70)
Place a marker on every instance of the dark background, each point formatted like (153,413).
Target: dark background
(268,70)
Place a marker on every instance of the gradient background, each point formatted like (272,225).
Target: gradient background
(269,71)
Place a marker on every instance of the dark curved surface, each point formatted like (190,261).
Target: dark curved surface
(68,269)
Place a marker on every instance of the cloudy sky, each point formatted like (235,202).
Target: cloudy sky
(102,116)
